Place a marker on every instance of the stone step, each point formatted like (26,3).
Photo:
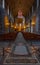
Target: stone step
(22,64)
(21,61)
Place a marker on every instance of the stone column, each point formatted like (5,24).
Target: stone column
(38,18)
(8,11)
(3,3)
(32,10)
(30,25)
(37,3)
(38,22)
(0,2)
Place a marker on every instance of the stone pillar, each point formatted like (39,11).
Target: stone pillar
(0,2)
(31,29)
(32,10)
(38,22)
(38,18)
(3,52)
(8,11)
(3,3)
(30,25)
(37,3)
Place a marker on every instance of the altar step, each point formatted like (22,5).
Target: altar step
(12,61)
(23,64)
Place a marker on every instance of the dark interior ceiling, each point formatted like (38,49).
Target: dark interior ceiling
(15,5)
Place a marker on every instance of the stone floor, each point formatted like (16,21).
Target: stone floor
(20,52)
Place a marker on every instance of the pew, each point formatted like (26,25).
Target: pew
(31,36)
(8,36)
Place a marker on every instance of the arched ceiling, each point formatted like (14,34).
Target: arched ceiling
(16,5)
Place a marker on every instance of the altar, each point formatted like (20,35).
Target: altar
(20,24)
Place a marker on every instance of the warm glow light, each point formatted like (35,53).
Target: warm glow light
(28,25)
(19,27)
(15,27)
(33,20)
(7,24)
(6,21)
(24,26)
(33,23)
(11,25)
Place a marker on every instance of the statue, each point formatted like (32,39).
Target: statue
(20,15)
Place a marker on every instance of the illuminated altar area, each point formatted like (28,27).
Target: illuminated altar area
(19,23)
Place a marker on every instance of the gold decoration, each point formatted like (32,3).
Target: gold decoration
(6,22)
(18,25)
(19,20)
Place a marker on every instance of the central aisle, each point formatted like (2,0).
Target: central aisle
(20,45)
(20,50)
